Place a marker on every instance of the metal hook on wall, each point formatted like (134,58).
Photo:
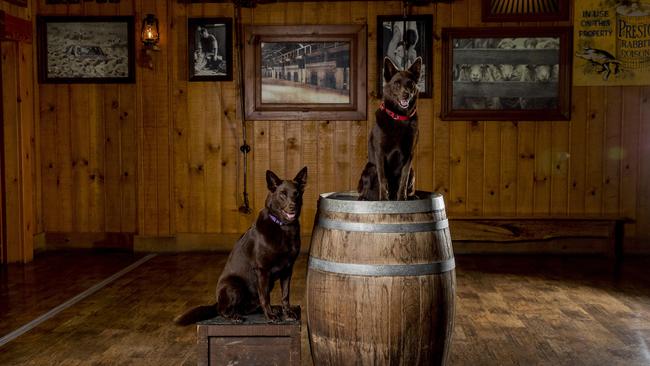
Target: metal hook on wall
(405,8)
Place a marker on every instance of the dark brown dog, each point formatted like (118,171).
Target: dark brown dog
(264,254)
(388,175)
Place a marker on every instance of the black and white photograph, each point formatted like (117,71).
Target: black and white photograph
(402,40)
(495,74)
(305,72)
(86,49)
(482,83)
(210,49)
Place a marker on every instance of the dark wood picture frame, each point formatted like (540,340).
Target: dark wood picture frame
(222,32)
(351,36)
(477,86)
(54,2)
(21,3)
(86,49)
(423,48)
(524,10)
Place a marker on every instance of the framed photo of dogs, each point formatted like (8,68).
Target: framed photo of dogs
(305,72)
(209,48)
(506,73)
(402,40)
(80,49)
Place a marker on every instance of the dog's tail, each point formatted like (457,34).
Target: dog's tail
(197,314)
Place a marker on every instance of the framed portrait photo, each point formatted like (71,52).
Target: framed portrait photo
(506,73)
(305,72)
(80,49)
(402,40)
(209,49)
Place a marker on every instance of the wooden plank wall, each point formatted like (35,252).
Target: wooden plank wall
(89,143)
(161,157)
(19,154)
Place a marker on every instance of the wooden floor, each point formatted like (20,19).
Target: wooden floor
(511,310)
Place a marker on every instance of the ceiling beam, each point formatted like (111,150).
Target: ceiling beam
(254,3)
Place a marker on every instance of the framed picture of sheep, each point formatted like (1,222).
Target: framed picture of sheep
(305,72)
(76,49)
(506,73)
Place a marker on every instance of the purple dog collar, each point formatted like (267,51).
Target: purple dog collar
(276,220)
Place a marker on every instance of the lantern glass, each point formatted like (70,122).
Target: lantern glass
(150,34)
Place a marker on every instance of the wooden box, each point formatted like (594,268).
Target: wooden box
(253,342)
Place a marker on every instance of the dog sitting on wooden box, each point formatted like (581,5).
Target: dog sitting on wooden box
(264,254)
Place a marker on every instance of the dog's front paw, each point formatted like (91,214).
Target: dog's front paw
(273,318)
(289,314)
(383,192)
(236,318)
(272,315)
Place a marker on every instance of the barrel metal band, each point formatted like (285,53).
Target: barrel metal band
(348,202)
(394,270)
(383,228)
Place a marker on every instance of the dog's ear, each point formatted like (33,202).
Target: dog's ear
(272,181)
(301,178)
(389,69)
(416,68)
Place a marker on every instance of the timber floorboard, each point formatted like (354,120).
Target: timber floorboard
(511,310)
(27,291)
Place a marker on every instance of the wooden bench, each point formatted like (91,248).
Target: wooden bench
(487,230)
(253,342)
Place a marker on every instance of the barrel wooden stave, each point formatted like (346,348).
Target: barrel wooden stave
(385,248)
(368,320)
(414,327)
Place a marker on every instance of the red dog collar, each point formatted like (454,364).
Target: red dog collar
(395,116)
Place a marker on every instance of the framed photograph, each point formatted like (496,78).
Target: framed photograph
(506,73)
(305,72)
(81,49)
(209,48)
(524,10)
(403,39)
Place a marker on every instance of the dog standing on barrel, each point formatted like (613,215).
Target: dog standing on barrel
(264,254)
(388,175)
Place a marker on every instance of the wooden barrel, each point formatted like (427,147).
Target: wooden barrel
(380,282)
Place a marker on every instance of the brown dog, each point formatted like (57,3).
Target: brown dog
(388,175)
(264,254)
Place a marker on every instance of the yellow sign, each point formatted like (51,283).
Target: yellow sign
(611,42)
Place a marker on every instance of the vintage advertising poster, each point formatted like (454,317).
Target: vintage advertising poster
(611,42)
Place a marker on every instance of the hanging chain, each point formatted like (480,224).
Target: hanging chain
(244,148)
